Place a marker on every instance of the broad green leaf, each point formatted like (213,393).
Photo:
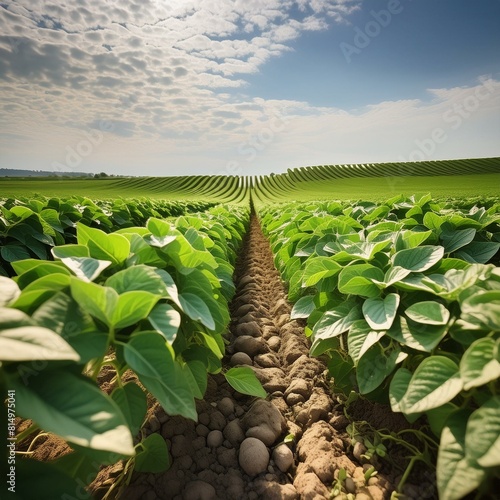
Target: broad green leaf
(43,269)
(75,409)
(99,301)
(30,343)
(437,417)
(51,482)
(319,268)
(132,307)
(132,402)
(138,277)
(380,313)
(303,307)
(66,251)
(337,321)
(357,280)
(453,239)
(418,336)
(85,268)
(360,338)
(436,381)
(152,456)
(171,287)
(148,355)
(342,370)
(374,366)
(479,365)
(429,313)
(197,309)
(482,308)
(196,372)
(11,253)
(244,380)
(9,291)
(456,476)
(418,259)
(14,318)
(482,440)
(102,246)
(478,251)
(78,464)
(399,386)
(395,274)
(165,320)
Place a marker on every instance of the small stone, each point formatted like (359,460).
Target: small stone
(251,329)
(234,433)
(204,418)
(350,486)
(358,450)
(202,430)
(227,457)
(249,345)
(274,343)
(214,439)
(185,462)
(293,399)
(217,421)
(199,490)
(226,406)
(253,456)
(283,457)
(240,358)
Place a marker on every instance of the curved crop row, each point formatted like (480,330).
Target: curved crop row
(151,299)
(404,301)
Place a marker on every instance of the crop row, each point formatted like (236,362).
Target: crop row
(30,228)
(152,299)
(403,300)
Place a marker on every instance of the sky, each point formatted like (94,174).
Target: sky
(245,87)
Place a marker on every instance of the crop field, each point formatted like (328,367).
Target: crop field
(332,332)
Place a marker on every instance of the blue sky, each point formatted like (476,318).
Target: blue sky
(245,87)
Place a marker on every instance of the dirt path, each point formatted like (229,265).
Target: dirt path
(206,454)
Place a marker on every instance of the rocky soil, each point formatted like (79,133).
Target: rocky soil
(289,446)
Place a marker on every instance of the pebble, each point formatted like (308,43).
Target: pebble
(226,406)
(350,485)
(358,450)
(204,418)
(253,456)
(234,433)
(240,358)
(283,457)
(274,343)
(217,421)
(185,462)
(293,399)
(199,490)
(214,439)
(202,430)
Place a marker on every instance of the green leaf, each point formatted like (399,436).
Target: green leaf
(418,259)
(75,409)
(456,476)
(397,389)
(9,291)
(360,338)
(303,307)
(165,320)
(244,380)
(66,251)
(99,301)
(138,277)
(51,482)
(479,365)
(102,246)
(197,309)
(374,366)
(357,280)
(429,313)
(148,355)
(419,336)
(11,253)
(318,268)
(85,268)
(337,320)
(132,402)
(482,308)
(342,370)
(29,343)
(380,313)
(196,371)
(395,274)
(437,417)
(133,307)
(478,251)
(453,239)
(436,381)
(482,440)
(153,456)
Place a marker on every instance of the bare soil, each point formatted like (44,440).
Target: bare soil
(208,461)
